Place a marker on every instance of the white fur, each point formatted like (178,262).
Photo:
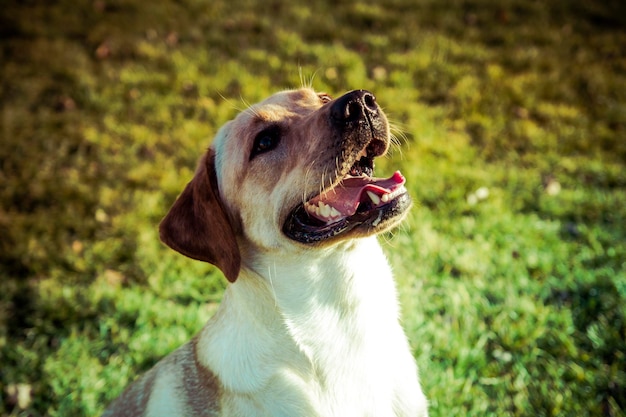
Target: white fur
(329,346)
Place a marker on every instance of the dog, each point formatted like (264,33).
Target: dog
(285,203)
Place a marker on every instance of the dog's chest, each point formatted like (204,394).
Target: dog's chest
(319,339)
(348,380)
(344,352)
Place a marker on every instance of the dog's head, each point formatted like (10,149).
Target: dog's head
(295,169)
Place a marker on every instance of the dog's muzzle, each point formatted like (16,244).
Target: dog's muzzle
(356,200)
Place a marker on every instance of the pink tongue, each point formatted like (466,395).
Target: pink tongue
(346,196)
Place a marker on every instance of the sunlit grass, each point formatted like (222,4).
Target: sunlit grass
(511,119)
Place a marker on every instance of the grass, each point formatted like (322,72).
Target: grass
(513,298)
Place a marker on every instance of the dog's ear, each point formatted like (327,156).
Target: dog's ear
(197,224)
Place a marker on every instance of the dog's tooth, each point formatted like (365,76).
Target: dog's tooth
(375,199)
(385,198)
(325,210)
(322,210)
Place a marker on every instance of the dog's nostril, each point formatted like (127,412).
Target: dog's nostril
(370,101)
(354,110)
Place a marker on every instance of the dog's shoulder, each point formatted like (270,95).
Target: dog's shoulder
(177,385)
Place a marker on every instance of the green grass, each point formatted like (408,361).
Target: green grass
(514,303)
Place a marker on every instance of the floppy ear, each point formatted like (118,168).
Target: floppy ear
(197,224)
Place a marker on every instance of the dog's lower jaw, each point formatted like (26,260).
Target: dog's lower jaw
(324,336)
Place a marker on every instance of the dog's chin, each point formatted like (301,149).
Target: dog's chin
(357,206)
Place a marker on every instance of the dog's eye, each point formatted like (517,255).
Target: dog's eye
(265,141)
(325,98)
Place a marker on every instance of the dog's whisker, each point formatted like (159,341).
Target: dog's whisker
(252,109)
(404,227)
(324,177)
(312,79)
(398,133)
(307,175)
(398,138)
(270,277)
(387,237)
(231,103)
(303,81)
(395,146)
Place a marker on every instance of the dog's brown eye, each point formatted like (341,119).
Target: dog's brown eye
(265,141)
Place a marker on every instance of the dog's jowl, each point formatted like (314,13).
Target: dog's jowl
(286,204)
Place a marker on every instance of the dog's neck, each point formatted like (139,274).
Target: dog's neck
(320,309)
(341,277)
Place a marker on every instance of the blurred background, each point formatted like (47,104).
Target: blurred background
(511,268)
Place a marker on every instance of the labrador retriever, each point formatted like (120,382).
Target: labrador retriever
(286,204)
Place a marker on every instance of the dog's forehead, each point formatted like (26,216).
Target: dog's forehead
(303,97)
(283,105)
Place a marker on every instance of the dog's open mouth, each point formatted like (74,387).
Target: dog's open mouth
(358,200)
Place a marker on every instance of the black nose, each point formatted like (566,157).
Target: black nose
(354,106)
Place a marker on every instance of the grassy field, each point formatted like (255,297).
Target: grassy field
(512,266)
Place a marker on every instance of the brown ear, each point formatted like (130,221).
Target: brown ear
(197,224)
